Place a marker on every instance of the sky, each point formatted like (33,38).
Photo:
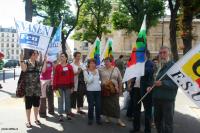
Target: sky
(10,9)
(15,9)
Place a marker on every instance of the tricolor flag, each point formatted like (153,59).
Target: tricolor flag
(55,45)
(108,51)
(33,36)
(95,52)
(186,74)
(136,63)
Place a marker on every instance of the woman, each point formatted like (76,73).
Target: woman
(31,69)
(79,86)
(47,91)
(64,82)
(110,103)
(91,76)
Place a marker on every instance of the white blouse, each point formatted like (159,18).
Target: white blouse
(92,81)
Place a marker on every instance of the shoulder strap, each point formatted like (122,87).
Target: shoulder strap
(111,73)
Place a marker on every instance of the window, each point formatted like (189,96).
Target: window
(2,45)
(2,35)
(7,45)
(12,45)
(12,51)
(12,40)
(17,51)
(7,40)
(13,35)
(2,40)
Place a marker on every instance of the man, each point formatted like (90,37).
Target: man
(164,94)
(140,85)
(120,64)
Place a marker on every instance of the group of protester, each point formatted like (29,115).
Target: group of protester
(102,86)
(160,102)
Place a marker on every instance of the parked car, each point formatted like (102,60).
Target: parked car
(11,63)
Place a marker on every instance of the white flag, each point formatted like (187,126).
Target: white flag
(186,74)
(33,36)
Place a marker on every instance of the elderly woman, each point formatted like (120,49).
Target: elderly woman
(110,101)
(31,69)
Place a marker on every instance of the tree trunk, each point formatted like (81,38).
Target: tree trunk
(28,10)
(187,26)
(174,6)
(173,41)
(63,42)
(28,17)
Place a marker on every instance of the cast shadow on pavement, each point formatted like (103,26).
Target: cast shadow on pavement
(13,95)
(184,123)
(43,129)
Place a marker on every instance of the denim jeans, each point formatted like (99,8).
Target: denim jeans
(64,101)
(94,100)
(163,115)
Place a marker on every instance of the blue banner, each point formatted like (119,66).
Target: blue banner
(55,45)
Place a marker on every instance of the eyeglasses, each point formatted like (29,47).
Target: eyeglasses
(163,52)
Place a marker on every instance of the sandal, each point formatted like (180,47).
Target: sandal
(28,125)
(69,117)
(121,124)
(60,118)
(37,122)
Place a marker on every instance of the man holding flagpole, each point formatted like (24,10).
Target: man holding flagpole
(164,94)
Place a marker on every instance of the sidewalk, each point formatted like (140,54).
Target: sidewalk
(13,118)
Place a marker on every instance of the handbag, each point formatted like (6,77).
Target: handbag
(81,84)
(20,91)
(108,88)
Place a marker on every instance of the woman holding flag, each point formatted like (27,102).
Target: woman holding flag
(31,69)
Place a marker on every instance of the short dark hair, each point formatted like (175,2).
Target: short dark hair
(66,55)
(76,53)
(121,56)
(90,61)
(108,58)
(31,51)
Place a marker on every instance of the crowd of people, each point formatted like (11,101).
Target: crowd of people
(102,86)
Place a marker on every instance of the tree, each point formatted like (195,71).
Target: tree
(190,8)
(130,14)
(174,7)
(28,17)
(53,11)
(94,20)
(28,10)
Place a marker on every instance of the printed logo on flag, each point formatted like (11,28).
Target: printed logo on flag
(29,39)
(192,68)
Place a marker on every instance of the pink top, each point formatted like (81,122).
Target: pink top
(47,74)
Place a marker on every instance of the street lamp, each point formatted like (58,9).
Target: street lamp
(162,30)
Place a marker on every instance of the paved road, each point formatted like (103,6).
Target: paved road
(12,117)
(9,73)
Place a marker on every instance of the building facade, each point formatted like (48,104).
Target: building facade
(9,44)
(122,42)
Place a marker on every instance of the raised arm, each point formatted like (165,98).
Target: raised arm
(22,62)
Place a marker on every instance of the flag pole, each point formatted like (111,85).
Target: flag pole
(149,91)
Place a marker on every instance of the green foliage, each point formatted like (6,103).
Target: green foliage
(130,14)
(51,10)
(93,20)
